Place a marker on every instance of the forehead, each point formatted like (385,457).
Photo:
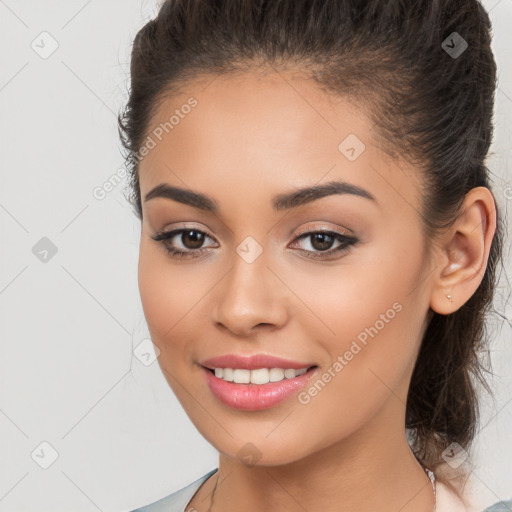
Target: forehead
(281,112)
(279,129)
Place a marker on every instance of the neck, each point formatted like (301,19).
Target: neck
(354,474)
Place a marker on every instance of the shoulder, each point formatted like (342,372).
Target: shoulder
(448,501)
(501,506)
(177,501)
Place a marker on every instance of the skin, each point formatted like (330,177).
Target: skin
(249,138)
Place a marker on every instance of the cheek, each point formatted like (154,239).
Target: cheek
(173,297)
(165,302)
(164,298)
(156,300)
(370,363)
(368,321)
(343,302)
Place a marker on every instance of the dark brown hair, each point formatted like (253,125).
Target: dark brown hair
(428,106)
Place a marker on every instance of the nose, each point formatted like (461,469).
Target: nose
(250,296)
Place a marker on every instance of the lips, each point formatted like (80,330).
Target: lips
(250,396)
(253,362)
(255,397)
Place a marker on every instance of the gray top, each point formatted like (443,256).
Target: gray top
(177,501)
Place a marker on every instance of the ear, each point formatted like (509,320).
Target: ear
(461,257)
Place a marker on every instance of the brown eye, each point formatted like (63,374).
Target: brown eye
(183,243)
(320,243)
(188,243)
(192,239)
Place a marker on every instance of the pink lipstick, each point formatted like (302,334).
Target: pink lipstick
(277,379)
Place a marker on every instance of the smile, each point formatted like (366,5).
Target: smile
(253,396)
(259,376)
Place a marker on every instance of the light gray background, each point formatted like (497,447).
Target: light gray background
(70,324)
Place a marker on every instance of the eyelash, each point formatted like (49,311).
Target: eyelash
(346,243)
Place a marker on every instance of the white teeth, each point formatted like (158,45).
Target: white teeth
(258,376)
(241,376)
(227,373)
(288,373)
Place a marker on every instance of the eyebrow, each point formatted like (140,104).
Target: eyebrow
(280,202)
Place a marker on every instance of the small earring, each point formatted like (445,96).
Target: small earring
(449,297)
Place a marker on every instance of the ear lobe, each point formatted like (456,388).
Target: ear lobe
(462,256)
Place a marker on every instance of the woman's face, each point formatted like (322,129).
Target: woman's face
(354,307)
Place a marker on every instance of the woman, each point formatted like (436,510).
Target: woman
(319,243)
